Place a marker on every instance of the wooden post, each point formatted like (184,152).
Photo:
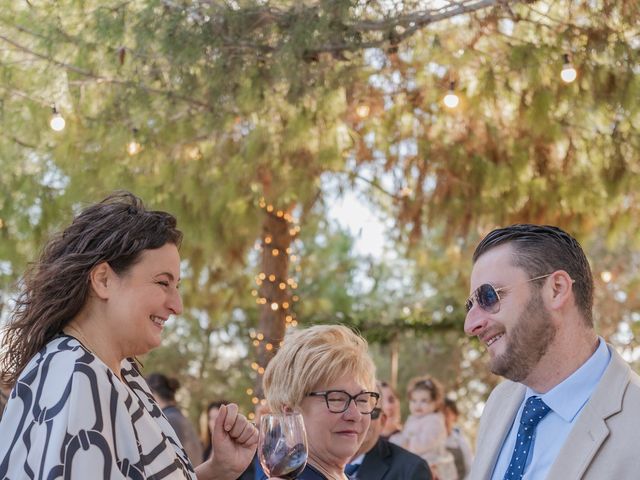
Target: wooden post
(394,346)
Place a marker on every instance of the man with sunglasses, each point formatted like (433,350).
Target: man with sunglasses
(379,459)
(571,406)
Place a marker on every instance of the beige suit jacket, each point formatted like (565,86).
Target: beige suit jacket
(603,444)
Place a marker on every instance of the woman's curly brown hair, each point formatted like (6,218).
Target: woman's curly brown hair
(55,288)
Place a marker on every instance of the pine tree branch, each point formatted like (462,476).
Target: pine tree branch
(410,24)
(98,79)
(26,95)
(22,143)
(394,29)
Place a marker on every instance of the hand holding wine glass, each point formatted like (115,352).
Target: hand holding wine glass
(282,447)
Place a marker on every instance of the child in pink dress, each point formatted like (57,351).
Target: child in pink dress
(424,431)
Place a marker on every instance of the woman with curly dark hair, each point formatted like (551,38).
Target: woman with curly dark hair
(100,295)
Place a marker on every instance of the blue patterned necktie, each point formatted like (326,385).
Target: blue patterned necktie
(534,411)
(351,468)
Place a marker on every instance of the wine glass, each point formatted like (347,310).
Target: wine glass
(282,448)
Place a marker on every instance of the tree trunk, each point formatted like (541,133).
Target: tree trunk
(273,292)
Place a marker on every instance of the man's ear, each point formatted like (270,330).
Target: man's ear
(560,289)
(101,278)
(382,419)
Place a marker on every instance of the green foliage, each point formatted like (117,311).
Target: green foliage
(235,101)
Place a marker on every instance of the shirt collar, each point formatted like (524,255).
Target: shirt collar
(568,397)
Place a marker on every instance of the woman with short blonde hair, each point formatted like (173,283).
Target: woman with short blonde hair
(326,373)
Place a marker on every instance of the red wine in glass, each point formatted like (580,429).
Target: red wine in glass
(282,448)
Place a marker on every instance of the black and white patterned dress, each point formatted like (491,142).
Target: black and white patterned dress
(70,417)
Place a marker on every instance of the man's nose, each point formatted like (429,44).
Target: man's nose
(475,321)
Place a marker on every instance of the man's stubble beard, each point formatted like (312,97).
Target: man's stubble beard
(527,342)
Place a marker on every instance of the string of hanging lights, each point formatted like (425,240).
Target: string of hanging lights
(289,284)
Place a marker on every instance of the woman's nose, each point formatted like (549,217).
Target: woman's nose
(352,410)
(175,303)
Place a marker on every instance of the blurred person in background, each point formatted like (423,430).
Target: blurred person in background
(164,389)
(457,442)
(213,409)
(391,405)
(379,459)
(424,431)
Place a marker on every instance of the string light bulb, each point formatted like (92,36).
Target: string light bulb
(362,110)
(133,147)
(451,100)
(56,123)
(269,245)
(568,73)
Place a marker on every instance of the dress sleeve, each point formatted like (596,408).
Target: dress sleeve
(57,420)
(70,417)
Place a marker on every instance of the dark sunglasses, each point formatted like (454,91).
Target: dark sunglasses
(488,297)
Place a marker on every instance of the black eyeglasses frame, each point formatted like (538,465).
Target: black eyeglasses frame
(352,398)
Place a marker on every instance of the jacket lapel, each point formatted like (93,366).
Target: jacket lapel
(376,463)
(591,429)
(504,413)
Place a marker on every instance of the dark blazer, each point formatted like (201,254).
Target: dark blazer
(387,461)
